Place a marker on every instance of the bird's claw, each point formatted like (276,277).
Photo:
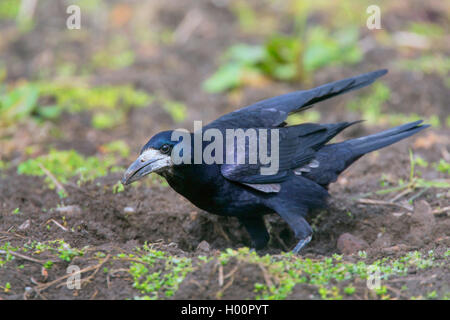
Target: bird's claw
(301,244)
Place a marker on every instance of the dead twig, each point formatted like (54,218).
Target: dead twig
(58,225)
(443,210)
(229,274)
(401,194)
(266,276)
(220,230)
(228,284)
(421,192)
(280,241)
(94,295)
(188,26)
(41,287)
(58,184)
(111,273)
(22,256)
(395,290)
(221,291)
(384,203)
(220,275)
(15,234)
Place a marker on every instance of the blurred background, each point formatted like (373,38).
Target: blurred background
(76,106)
(138,67)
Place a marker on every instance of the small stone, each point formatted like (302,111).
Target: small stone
(203,246)
(348,243)
(193,215)
(129,210)
(69,210)
(25,225)
(383,240)
(398,214)
(396,248)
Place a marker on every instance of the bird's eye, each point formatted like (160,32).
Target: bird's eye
(165,148)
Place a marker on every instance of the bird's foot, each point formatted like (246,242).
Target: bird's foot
(301,244)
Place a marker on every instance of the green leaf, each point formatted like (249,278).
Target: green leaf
(246,54)
(177,110)
(49,112)
(227,77)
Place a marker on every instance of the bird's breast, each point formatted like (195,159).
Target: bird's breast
(210,191)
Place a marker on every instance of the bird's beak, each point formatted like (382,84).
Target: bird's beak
(149,161)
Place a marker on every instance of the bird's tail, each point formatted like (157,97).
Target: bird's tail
(363,145)
(335,158)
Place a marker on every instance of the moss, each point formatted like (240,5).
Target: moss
(289,270)
(164,282)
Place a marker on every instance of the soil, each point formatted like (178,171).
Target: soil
(163,217)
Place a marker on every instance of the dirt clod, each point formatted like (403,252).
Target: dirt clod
(203,247)
(422,223)
(348,244)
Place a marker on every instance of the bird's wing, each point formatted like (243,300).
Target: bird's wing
(297,148)
(272,112)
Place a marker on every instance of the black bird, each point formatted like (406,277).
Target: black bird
(306,163)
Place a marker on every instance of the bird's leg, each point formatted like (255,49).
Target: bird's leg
(257,230)
(301,244)
(300,226)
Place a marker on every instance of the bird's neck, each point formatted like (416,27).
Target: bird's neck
(193,180)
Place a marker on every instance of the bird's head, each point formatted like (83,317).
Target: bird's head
(155,156)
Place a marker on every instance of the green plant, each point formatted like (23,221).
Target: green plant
(118,187)
(171,272)
(109,104)
(370,105)
(426,29)
(428,64)
(287,270)
(325,49)
(121,59)
(177,110)
(4,165)
(59,247)
(9,9)
(48,265)
(64,165)
(5,250)
(18,103)
(442,166)
(6,288)
(330,294)
(349,290)
(415,182)
(285,58)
